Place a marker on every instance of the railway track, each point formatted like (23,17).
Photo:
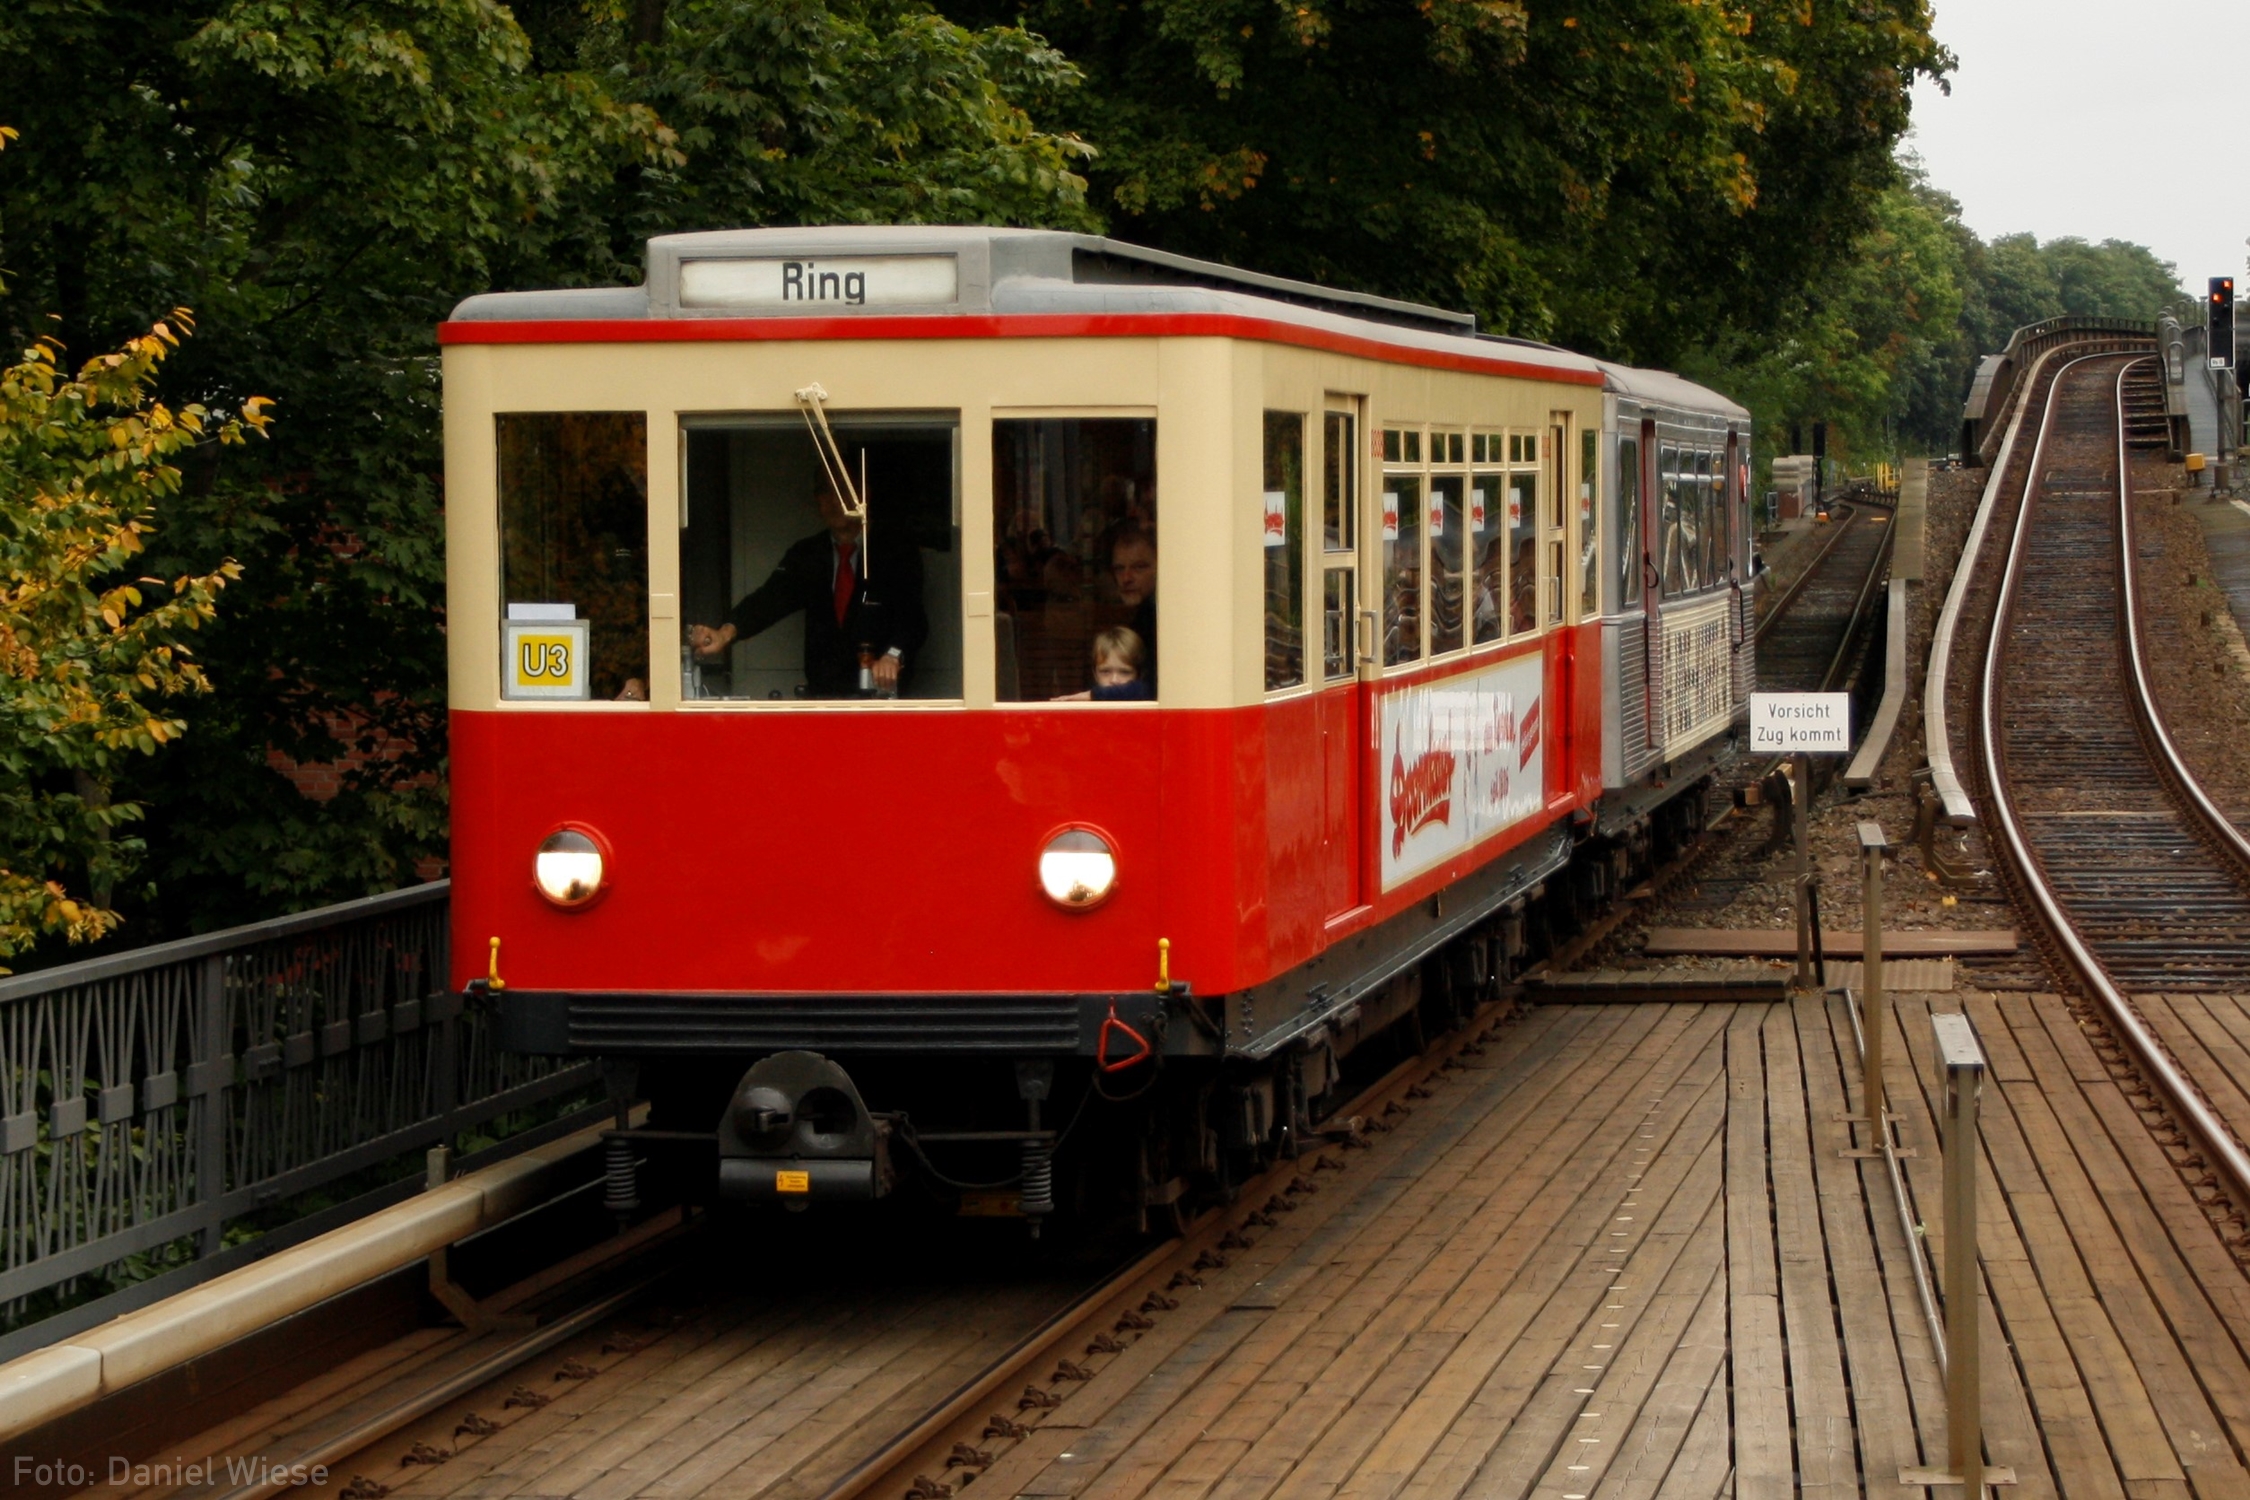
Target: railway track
(392,1423)
(1825,608)
(2134,879)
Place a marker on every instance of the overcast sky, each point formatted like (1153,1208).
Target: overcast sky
(2069,118)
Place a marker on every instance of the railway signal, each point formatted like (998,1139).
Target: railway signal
(2219,308)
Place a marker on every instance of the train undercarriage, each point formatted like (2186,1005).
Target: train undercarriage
(1129,1110)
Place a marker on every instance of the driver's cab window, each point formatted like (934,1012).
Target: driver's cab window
(1074,572)
(800,582)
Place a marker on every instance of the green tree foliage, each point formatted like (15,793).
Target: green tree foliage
(796,112)
(1879,326)
(323,180)
(1630,176)
(2022,281)
(92,652)
(1884,347)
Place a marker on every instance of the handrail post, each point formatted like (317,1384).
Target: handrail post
(1872,847)
(1801,800)
(1962,1057)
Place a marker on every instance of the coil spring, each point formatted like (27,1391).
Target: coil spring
(1038,1194)
(621,1193)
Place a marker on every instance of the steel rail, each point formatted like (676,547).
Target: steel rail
(416,1404)
(1780,606)
(917,1447)
(2220,1150)
(1878,565)
(1937,737)
(1867,589)
(2215,823)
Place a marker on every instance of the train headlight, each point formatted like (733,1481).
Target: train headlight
(568,869)
(1077,869)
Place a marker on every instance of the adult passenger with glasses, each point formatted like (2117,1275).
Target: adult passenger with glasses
(848,615)
(1132,568)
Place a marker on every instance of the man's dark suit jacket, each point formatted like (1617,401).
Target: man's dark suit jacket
(884,614)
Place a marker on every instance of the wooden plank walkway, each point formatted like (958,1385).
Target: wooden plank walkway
(1617,1253)
(1639,1265)
(1766,942)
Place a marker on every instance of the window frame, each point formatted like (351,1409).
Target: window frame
(1488,463)
(989,582)
(650,605)
(1402,459)
(1340,554)
(687,421)
(1295,548)
(1443,443)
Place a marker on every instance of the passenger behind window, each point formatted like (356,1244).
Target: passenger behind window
(855,625)
(1120,661)
(1132,569)
(1074,538)
(1492,565)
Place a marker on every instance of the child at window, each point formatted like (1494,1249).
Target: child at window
(1119,657)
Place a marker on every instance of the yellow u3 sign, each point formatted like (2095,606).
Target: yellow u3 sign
(542,658)
(545,659)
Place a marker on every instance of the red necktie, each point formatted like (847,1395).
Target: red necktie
(843,580)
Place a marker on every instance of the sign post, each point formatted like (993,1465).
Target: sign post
(1802,725)
(1872,847)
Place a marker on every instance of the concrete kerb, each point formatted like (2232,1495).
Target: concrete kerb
(1937,739)
(39,1387)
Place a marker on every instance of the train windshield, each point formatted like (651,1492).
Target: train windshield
(784,595)
(574,554)
(1074,571)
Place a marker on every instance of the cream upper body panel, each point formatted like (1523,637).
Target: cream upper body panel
(1224,349)
(1208,396)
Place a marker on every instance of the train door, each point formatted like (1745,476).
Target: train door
(1562,674)
(1730,535)
(1653,477)
(1342,703)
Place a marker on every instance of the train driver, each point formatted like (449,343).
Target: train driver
(825,577)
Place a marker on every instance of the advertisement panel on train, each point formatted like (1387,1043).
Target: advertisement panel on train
(1466,761)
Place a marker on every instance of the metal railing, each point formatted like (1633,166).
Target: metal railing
(1993,392)
(2187,360)
(153,1101)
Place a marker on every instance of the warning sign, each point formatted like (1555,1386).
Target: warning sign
(1800,723)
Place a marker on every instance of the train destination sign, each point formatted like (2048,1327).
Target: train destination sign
(1800,723)
(822,283)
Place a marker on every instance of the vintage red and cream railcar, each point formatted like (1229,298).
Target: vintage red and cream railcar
(820,766)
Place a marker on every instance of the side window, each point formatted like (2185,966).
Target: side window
(1589,523)
(1671,562)
(785,595)
(1558,504)
(1285,549)
(1074,528)
(1447,517)
(1707,516)
(1402,546)
(1628,524)
(1523,532)
(574,554)
(1488,537)
(1339,541)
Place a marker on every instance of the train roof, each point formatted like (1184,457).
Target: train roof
(1649,387)
(1665,389)
(722,274)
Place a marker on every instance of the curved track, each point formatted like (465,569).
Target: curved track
(2139,883)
